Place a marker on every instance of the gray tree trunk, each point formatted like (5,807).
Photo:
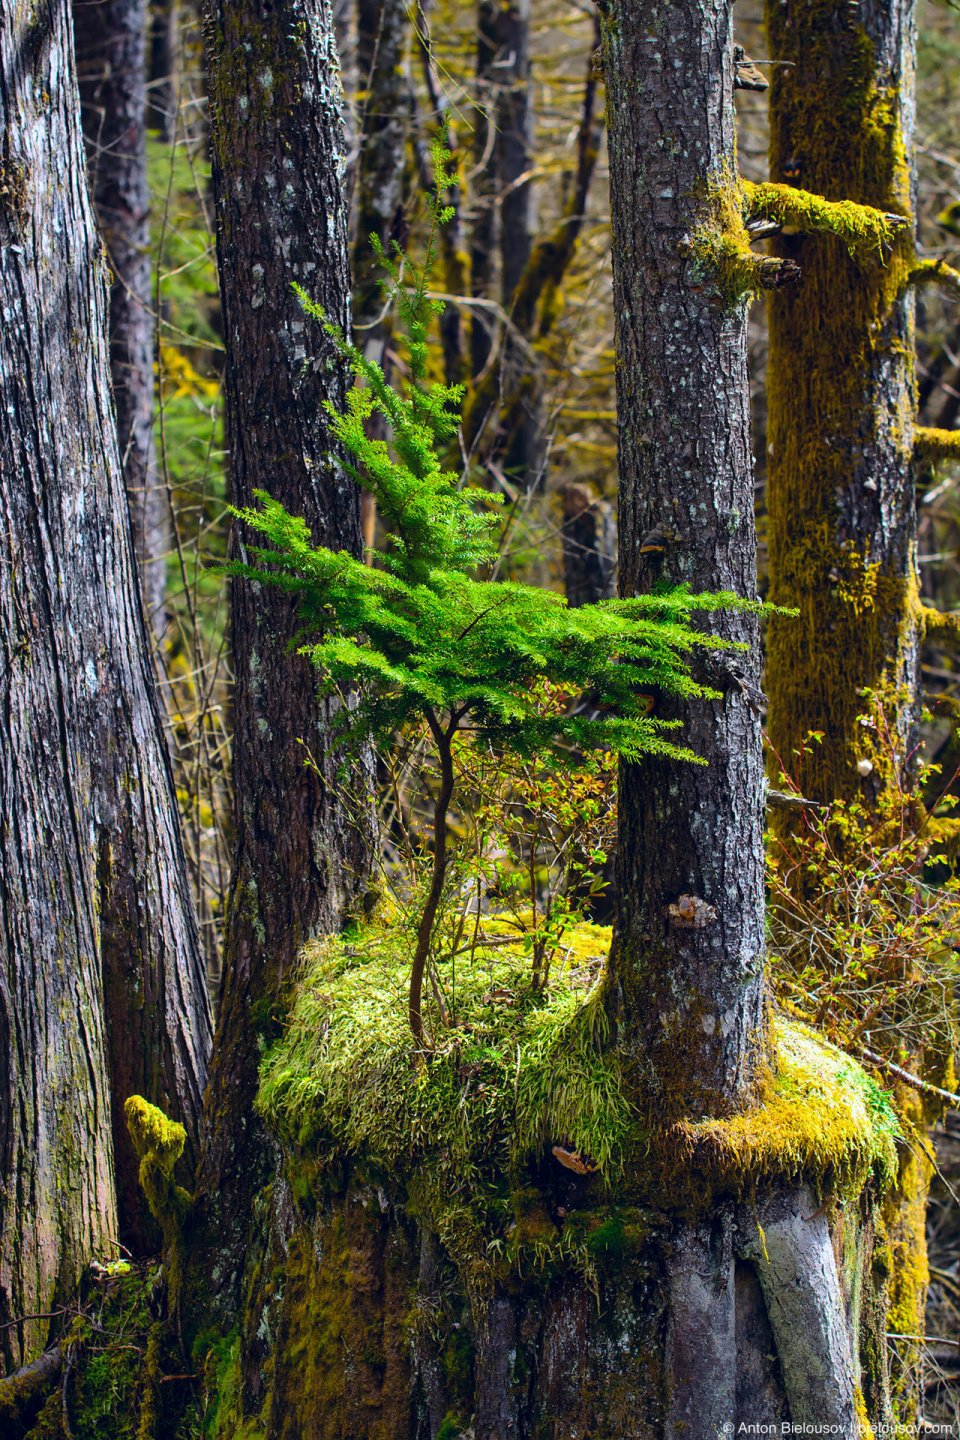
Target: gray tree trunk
(688,982)
(111,47)
(102,990)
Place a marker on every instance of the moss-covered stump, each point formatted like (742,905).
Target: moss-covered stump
(495,1238)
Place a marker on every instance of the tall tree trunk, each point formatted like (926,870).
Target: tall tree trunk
(841,395)
(688,981)
(102,990)
(483,231)
(842,399)
(514,142)
(300,862)
(111,47)
(164,68)
(381,189)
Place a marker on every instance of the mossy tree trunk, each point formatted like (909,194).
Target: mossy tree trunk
(841,396)
(111,46)
(680,1294)
(300,862)
(842,400)
(102,991)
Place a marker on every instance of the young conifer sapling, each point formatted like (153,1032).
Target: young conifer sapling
(419,633)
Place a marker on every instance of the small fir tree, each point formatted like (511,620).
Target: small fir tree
(420,634)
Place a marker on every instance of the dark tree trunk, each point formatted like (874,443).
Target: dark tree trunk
(688,955)
(164,68)
(275,103)
(111,47)
(381,176)
(102,990)
(483,231)
(514,141)
(381,188)
(589,546)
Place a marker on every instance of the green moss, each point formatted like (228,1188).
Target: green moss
(841,399)
(867,234)
(158,1143)
(719,247)
(515,1075)
(520,1074)
(930,445)
(823,1120)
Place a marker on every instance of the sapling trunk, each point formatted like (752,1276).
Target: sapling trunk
(444,739)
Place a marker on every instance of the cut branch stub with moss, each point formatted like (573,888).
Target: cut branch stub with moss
(417,636)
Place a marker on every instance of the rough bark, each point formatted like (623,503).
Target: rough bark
(102,990)
(281,217)
(687,988)
(842,399)
(111,47)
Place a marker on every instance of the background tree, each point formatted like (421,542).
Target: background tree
(841,493)
(111,47)
(102,984)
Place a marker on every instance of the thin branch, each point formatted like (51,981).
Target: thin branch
(947,1096)
(930,444)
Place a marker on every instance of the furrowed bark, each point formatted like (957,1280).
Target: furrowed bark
(102,989)
(299,864)
(111,46)
(687,988)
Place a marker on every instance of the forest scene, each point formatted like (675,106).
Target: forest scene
(479,719)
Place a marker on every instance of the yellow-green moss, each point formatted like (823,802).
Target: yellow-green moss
(159,1143)
(867,234)
(518,1072)
(841,396)
(522,1073)
(905,1215)
(823,1120)
(930,445)
(719,247)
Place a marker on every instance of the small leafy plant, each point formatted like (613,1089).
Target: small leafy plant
(864,949)
(419,635)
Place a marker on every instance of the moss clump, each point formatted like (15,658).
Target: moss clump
(823,1120)
(868,234)
(159,1143)
(519,1071)
(719,248)
(930,445)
